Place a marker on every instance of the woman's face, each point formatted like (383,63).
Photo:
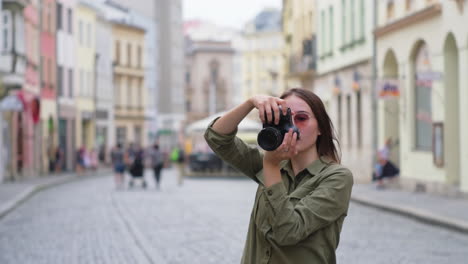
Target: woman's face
(305,121)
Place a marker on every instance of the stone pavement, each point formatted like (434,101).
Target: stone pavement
(13,194)
(447,212)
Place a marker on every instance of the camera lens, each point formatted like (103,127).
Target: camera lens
(269,138)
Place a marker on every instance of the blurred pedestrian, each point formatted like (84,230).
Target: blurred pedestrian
(157,163)
(80,160)
(118,162)
(59,159)
(93,159)
(384,168)
(178,159)
(304,191)
(137,167)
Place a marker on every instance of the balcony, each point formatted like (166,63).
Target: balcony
(306,62)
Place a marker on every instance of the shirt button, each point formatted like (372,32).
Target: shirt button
(270,192)
(268,252)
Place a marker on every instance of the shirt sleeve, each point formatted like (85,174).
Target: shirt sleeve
(233,150)
(321,207)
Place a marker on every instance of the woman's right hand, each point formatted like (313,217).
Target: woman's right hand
(268,106)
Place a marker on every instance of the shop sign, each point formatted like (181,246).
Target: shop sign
(388,88)
(11,103)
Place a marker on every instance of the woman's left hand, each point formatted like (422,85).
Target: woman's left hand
(285,151)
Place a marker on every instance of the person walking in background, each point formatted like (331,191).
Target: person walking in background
(384,168)
(137,167)
(80,160)
(304,192)
(157,163)
(178,158)
(118,162)
(93,159)
(59,159)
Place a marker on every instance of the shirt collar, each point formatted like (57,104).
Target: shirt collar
(313,168)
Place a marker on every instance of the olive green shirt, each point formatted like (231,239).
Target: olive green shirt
(295,221)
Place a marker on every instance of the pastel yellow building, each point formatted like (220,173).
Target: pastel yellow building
(263,62)
(298,18)
(85,26)
(130,94)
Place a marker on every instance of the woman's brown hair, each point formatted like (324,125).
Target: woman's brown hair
(325,141)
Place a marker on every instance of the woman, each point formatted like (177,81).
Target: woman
(118,161)
(303,192)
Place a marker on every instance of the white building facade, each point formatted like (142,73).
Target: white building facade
(343,78)
(66,80)
(423,55)
(105,128)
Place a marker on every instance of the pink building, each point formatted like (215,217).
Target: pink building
(48,61)
(30,94)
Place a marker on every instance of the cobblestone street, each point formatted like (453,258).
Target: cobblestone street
(203,221)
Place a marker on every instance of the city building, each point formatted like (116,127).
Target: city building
(209,69)
(421,58)
(263,61)
(66,32)
(171,70)
(48,82)
(129,93)
(343,78)
(150,67)
(104,87)
(85,64)
(298,19)
(17,159)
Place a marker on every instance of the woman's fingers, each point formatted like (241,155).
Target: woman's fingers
(293,143)
(269,108)
(268,113)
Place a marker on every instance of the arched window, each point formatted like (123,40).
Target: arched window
(423,100)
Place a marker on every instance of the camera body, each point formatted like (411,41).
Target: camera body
(271,136)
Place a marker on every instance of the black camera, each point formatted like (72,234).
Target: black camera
(271,136)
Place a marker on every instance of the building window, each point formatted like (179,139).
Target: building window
(49,18)
(88,33)
(187,77)
(90,84)
(343,22)
(117,52)
(141,98)
(138,135)
(408,5)
(390,9)
(352,9)
(129,55)
(129,92)
(59,17)
(348,120)
(423,101)
(80,29)
(323,50)
(70,20)
(358,118)
(71,92)
(139,58)
(81,82)
(6,18)
(121,135)
(50,71)
(332,30)
(117,96)
(339,117)
(60,80)
(363,19)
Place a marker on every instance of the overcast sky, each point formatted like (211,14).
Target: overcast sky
(233,13)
